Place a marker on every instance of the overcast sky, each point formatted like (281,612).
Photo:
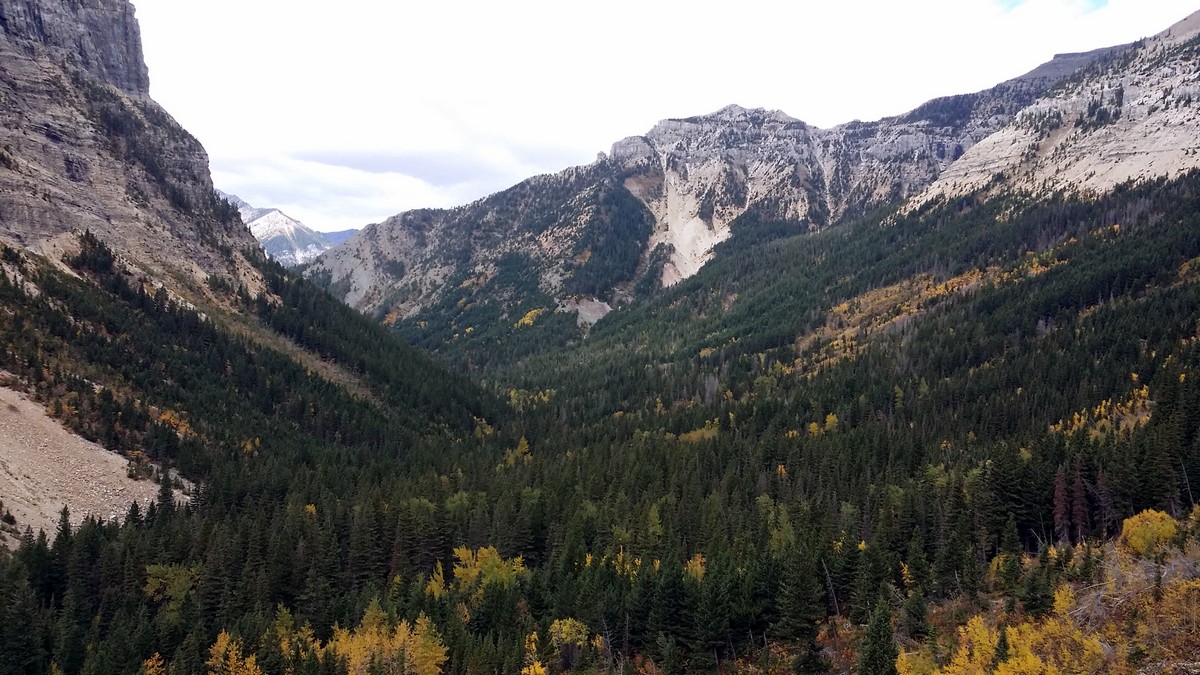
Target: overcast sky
(342,114)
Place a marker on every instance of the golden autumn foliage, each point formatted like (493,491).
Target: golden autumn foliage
(437,582)
(225,658)
(1147,532)
(705,433)
(154,665)
(569,637)
(1107,419)
(519,454)
(403,648)
(474,570)
(530,317)
(1141,613)
(532,666)
(1047,647)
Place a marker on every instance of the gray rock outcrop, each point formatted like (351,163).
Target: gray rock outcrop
(83,147)
(101,36)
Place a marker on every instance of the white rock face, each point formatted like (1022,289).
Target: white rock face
(713,168)
(1134,116)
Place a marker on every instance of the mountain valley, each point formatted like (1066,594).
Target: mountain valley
(918,395)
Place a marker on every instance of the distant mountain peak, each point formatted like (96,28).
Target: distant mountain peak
(283,238)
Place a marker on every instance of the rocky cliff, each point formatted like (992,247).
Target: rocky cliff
(99,36)
(1133,114)
(650,213)
(82,147)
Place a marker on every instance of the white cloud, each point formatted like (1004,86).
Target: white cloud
(507,90)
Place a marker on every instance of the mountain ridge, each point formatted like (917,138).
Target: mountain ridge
(694,177)
(1129,119)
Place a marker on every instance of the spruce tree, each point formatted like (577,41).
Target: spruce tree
(878,653)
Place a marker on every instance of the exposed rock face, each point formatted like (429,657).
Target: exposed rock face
(100,36)
(1134,114)
(690,181)
(83,148)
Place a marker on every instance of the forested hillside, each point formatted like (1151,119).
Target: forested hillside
(822,452)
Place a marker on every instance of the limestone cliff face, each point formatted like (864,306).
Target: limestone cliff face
(100,36)
(82,147)
(1132,115)
(670,196)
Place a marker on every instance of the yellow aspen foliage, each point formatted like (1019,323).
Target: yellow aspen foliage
(426,653)
(1053,646)
(478,569)
(518,454)
(406,649)
(915,663)
(532,666)
(530,317)
(535,668)
(1064,600)
(569,636)
(225,658)
(154,665)
(1148,532)
(293,639)
(694,568)
(437,582)
(1048,647)
(976,649)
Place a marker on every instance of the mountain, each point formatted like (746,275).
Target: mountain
(955,436)
(84,148)
(1129,116)
(650,213)
(122,272)
(283,238)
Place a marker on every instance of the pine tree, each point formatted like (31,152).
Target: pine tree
(1079,503)
(878,653)
(801,607)
(916,616)
(1062,506)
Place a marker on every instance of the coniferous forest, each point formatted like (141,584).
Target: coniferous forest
(963,439)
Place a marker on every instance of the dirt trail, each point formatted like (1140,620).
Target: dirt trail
(43,466)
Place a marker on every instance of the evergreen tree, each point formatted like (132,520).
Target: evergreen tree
(877,654)
(801,607)
(916,616)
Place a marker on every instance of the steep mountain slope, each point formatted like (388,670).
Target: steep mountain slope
(649,214)
(283,238)
(1128,116)
(83,148)
(118,254)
